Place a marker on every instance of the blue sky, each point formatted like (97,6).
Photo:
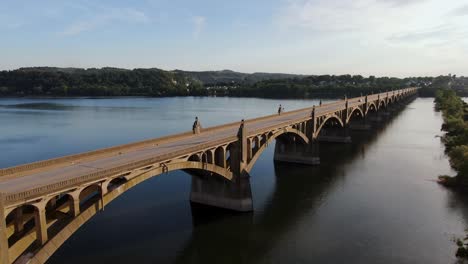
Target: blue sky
(368,37)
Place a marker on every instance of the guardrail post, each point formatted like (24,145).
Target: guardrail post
(4,258)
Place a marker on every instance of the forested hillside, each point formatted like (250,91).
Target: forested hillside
(96,82)
(49,81)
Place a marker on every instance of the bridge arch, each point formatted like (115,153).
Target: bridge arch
(113,183)
(195,157)
(26,213)
(220,156)
(382,104)
(371,107)
(71,225)
(357,111)
(333,117)
(89,195)
(273,135)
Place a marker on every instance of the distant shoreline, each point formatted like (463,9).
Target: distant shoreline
(148,96)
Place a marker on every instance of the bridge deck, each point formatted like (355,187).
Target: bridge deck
(57,172)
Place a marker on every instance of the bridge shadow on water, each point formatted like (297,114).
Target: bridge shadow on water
(222,236)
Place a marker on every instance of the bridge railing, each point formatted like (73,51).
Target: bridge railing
(64,185)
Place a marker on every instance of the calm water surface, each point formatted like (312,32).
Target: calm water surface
(373,201)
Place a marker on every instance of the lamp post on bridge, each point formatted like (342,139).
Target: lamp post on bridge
(280,109)
(196,128)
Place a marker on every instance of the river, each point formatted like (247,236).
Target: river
(372,201)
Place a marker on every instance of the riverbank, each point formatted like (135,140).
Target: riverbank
(455,139)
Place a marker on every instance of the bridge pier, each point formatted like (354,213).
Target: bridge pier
(360,125)
(219,192)
(295,153)
(378,117)
(335,135)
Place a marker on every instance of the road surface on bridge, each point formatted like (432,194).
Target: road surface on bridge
(28,179)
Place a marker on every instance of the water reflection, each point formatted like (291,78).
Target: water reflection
(40,106)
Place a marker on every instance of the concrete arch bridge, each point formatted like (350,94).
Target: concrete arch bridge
(43,203)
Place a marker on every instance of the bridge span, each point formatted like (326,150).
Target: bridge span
(43,203)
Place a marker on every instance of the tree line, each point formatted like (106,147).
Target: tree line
(49,81)
(96,82)
(455,116)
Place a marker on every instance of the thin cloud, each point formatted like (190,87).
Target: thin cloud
(398,3)
(442,32)
(369,19)
(198,25)
(106,17)
(460,11)
(341,16)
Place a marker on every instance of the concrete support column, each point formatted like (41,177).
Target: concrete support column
(74,202)
(40,223)
(298,153)
(257,143)
(243,147)
(220,158)
(335,135)
(75,207)
(4,257)
(376,117)
(105,186)
(249,149)
(218,192)
(235,158)
(53,202)
(19,220)
(210,156)
(360,124)
(384,114)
